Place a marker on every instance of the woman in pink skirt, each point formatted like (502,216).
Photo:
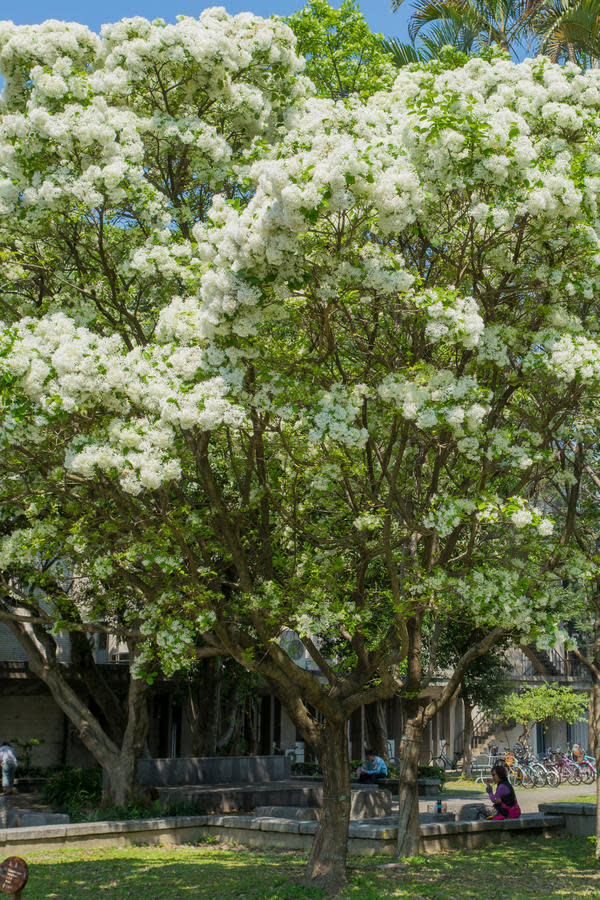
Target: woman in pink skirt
(504,799)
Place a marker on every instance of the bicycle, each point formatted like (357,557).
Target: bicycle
(518,776)
(535,774)
(443,761)
(585,763)
(566,768)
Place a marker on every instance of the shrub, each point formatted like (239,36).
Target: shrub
(68,789)
(305,768)
(140,806)
(312,768)
(78,792)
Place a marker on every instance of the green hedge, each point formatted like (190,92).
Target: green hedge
(312,768)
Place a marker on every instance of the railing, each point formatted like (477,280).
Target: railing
(481,729)
(557,664)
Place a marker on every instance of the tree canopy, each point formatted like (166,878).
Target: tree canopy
(343,56)
(543,702)
(271,361)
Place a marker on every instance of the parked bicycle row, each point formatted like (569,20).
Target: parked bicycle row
(551,768)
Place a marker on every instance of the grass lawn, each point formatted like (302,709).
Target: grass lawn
(540,868)
(462,785)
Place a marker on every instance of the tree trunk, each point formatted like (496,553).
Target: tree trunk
(120,770)
(327,861)
(594,745)
(229,724)
(203,705)
(116,759)
(376,728)
(84,664)
(468,740)
(409,832)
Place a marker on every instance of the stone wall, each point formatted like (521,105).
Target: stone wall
(212,770)
(26,717)
(253,831)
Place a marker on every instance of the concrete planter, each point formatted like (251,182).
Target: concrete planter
(253,831)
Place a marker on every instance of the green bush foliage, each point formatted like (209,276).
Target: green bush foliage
(69,790)
(312,768)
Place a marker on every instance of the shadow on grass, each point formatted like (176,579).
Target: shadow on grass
(534,868)
(152,873)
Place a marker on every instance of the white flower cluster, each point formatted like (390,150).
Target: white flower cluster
(71,369)
(22,546)
(566,356)
(445,514)
(519,512)
(83,109)
(336,417)
(449,314)
(438,398)
(59,46)
(367,522)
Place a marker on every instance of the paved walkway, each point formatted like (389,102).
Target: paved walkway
(457,796)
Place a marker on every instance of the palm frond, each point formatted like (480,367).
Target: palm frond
(428,12)
(401,54)
(568,28)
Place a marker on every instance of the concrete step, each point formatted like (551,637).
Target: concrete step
(305,814)
(366,801)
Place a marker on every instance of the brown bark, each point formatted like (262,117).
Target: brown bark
(408,781)
(82,660)
(468,740)
(116,759)
(120,773)
(408,790)
(594,745)
(203,707)
(421,711)
(376,728)
(326,867)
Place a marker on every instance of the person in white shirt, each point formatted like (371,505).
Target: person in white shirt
(8,761)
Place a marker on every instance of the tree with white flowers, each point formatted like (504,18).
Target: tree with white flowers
(125,137)
(271,363)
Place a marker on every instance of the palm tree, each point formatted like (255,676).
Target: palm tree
(477,23)
(567,29)
(425,47)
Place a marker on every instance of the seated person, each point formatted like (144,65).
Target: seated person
(374,770)
(504,799)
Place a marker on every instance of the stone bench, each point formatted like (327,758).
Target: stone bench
(579,818)
(17,818)
(303,813)
(463,835)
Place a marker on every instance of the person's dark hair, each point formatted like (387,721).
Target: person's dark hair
(370,752)
(500,771)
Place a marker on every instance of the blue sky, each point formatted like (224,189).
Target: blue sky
(377,12)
